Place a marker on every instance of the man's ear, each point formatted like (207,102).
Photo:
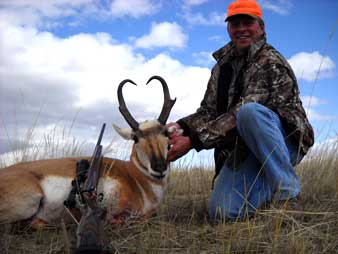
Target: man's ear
(125,133)
(262,25)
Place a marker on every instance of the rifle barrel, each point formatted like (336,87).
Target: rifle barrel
(93,170)
(101,134)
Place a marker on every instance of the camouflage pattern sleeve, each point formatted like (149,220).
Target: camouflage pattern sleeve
(214,133)
(283,89)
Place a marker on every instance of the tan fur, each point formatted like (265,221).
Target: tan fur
(36,190)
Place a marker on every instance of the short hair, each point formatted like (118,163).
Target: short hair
(261,22)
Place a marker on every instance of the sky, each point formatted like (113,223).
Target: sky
(61,62)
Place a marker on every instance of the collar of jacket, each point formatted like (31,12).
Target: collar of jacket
(228,51)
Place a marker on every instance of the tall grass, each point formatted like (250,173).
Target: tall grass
(181,226)
(55,142)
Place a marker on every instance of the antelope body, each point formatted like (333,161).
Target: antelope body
(133,189)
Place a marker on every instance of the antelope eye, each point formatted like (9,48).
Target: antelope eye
(166,133)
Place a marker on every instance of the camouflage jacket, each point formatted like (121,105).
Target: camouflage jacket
(263,76)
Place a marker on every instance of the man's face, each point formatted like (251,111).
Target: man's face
(244,30)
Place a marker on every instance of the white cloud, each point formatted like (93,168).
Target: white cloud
(163,35)
(133,8)
(216,38)
(309,66)
(312,101)
(48,80)
(213,19)
(45,13)
(204,58)
(53,77)
(194,2)
(315,116)
(198,18)
(329,145)
(281,7)
(325,148)
(50,8)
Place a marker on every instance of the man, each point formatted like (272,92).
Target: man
(251,114)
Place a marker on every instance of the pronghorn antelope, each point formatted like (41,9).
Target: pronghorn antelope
(35,191)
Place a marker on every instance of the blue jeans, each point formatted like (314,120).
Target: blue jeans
(266,174)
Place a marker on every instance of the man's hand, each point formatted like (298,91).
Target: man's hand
(179,145)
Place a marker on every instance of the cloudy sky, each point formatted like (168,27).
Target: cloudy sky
(61,61)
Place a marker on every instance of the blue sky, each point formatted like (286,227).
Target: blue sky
(61,61)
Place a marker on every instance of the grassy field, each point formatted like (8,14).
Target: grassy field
(180,225)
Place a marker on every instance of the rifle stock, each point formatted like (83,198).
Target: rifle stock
(90,231)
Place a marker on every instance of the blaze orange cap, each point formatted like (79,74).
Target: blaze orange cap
(247,7)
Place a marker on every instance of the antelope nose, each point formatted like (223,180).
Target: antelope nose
(159,165)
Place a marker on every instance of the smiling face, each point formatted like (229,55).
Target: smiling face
(244,30)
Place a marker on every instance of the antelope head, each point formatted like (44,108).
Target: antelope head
(150,138)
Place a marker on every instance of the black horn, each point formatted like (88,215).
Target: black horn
(168,102)
(123,108)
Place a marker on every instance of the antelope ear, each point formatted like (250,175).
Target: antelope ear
(125,133)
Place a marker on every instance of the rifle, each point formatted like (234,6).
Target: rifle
(89,233)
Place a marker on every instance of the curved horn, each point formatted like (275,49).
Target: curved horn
(123,108)
(167,104)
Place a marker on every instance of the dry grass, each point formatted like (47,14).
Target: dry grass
(180,225)
(56,142)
